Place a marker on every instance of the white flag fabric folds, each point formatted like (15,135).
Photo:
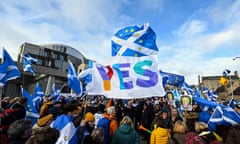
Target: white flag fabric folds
(126,78)
(68,132)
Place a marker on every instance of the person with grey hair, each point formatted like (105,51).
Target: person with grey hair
(97,137)
(19,131)
(46,135)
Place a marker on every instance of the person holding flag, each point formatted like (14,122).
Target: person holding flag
(64,124)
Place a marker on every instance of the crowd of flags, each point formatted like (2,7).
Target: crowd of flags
(133,41)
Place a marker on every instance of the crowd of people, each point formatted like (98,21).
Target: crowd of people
(98,120)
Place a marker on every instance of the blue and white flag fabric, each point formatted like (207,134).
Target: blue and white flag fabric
(196,92)
(73,82)
(223,116)
(31,111)
(9,69)
(176,93)
(28,60)
(37,97)
(68,132)
(56,94)
(211,95)
(86,74)
(172,79)
(226,72)
(187,88)
(205,103)
(134,41)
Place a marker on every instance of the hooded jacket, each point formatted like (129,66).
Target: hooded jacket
(125,134)
(159,136)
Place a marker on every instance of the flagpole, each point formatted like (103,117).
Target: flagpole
(231,86)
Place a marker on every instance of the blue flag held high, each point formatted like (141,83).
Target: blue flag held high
(8,69)
(211,95)
(134,41)
(187,88)
(172,79)
(226,72)
(28,60)
(86,74)
(73,82)
(37,96)
(31,110)
(56,94)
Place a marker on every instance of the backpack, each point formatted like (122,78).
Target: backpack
(192,137)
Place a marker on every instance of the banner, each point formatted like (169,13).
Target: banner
(126,78)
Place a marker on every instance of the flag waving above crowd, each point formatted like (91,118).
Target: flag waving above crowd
(73,82)
(134,41)
(28,60)
(8,69)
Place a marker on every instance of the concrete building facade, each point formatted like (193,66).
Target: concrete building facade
(52,67)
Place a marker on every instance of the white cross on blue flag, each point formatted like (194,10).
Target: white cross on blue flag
(134,41)
(8,69)
(73,81)
(28,60)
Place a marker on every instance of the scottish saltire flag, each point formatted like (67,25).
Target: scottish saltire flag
(177,94)
(28,60)
(187,88)
(9,70)
(37,96)
(56,94)
(134,41)
(86,74)
(73,82)
(224,116)
(172,79)
(211,95)
(232,103)
(226,72)
(196,92)
(31,110)
(68,132)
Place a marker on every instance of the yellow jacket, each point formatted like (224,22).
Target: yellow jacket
(159,136)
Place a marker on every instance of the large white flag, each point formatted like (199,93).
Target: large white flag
(126,78)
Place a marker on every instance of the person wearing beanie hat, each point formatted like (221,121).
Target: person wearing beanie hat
(164,116)
(86,128)
(89,117)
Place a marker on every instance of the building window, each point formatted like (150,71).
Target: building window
(58,64)
(39,62)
